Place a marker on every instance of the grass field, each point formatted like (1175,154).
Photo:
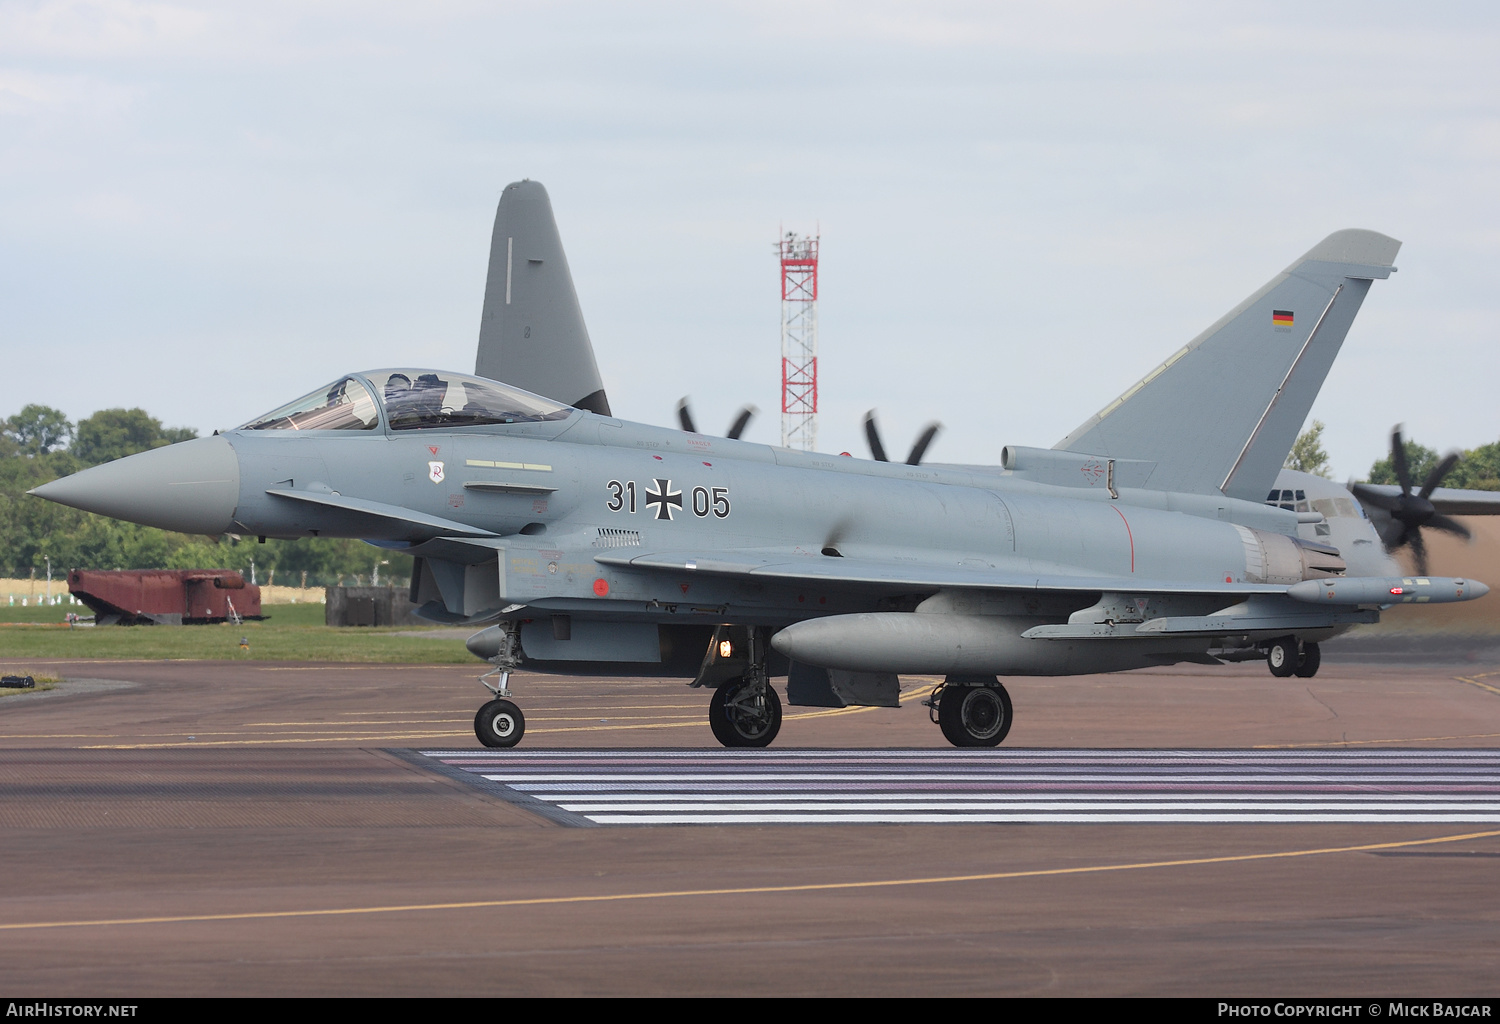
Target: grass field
(293,632)
(42,613)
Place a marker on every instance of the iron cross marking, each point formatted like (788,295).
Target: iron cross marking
(664,498)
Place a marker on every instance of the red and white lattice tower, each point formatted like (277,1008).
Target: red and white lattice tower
(799,340)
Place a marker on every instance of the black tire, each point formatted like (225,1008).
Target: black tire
(750,723)
(499,724)
(1311,659)
(974,716)
(1281,657)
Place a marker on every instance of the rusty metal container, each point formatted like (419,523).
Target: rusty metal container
(131,597)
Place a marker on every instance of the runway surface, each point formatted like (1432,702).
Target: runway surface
(262,828)
(924,787)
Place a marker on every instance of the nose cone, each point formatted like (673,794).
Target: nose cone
(190,487)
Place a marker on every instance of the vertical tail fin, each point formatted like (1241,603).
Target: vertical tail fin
(531,333)
(1222,412)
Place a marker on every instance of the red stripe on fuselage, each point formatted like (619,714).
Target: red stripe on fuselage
(1128,534)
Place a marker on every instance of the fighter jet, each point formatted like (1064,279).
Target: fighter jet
(1162,530)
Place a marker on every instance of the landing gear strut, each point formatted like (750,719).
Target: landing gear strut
(973,711)
(1289,656)
(499,722)
(745,711)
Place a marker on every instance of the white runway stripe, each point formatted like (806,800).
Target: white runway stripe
(614,778)
(1023,819)
(710,787)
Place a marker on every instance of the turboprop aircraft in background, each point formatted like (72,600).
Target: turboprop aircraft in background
(599,546)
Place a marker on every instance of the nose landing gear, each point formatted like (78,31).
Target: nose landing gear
(499,722)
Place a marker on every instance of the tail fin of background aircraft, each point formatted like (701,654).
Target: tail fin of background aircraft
(531,333)
(1223,411)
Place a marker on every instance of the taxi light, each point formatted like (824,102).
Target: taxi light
(725,648)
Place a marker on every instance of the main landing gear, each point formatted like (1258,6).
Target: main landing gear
(1289,656)
(745,710)
(745,714)
(973,711)
(500,723)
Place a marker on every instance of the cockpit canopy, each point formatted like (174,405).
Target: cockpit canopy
(412,400)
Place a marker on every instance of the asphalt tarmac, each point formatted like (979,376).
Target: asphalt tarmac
(272,829)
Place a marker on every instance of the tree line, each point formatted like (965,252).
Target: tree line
(1477,470)
(39,444)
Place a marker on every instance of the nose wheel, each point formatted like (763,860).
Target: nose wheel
(499,724)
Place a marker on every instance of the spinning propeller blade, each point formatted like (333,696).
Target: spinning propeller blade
(741,420)
(1412,511)
(919,449)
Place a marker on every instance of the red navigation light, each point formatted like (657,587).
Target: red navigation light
(1397,590)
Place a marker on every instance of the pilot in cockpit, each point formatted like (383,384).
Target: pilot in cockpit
(427,397)
(398,397)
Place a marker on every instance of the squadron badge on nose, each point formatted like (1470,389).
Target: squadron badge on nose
(435,472)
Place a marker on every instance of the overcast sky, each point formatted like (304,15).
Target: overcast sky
(209,209)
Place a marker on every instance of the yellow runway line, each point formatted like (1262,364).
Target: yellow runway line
(688,722)
(749,890)
(1368,743)
(1474,681)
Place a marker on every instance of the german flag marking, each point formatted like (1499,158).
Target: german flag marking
(1282,317)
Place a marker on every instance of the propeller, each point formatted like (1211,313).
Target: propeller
(914,457)
(741,420)
(1411,512)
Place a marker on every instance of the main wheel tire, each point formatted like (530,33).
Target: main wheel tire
(741,721)
(499,724)
(974,716)
(1281,657)
(1311,659)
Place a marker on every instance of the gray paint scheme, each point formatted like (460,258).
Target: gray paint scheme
(957,564)
(192,487)
(1223,411)
(1123,555)
(531,333)
(1346,524)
